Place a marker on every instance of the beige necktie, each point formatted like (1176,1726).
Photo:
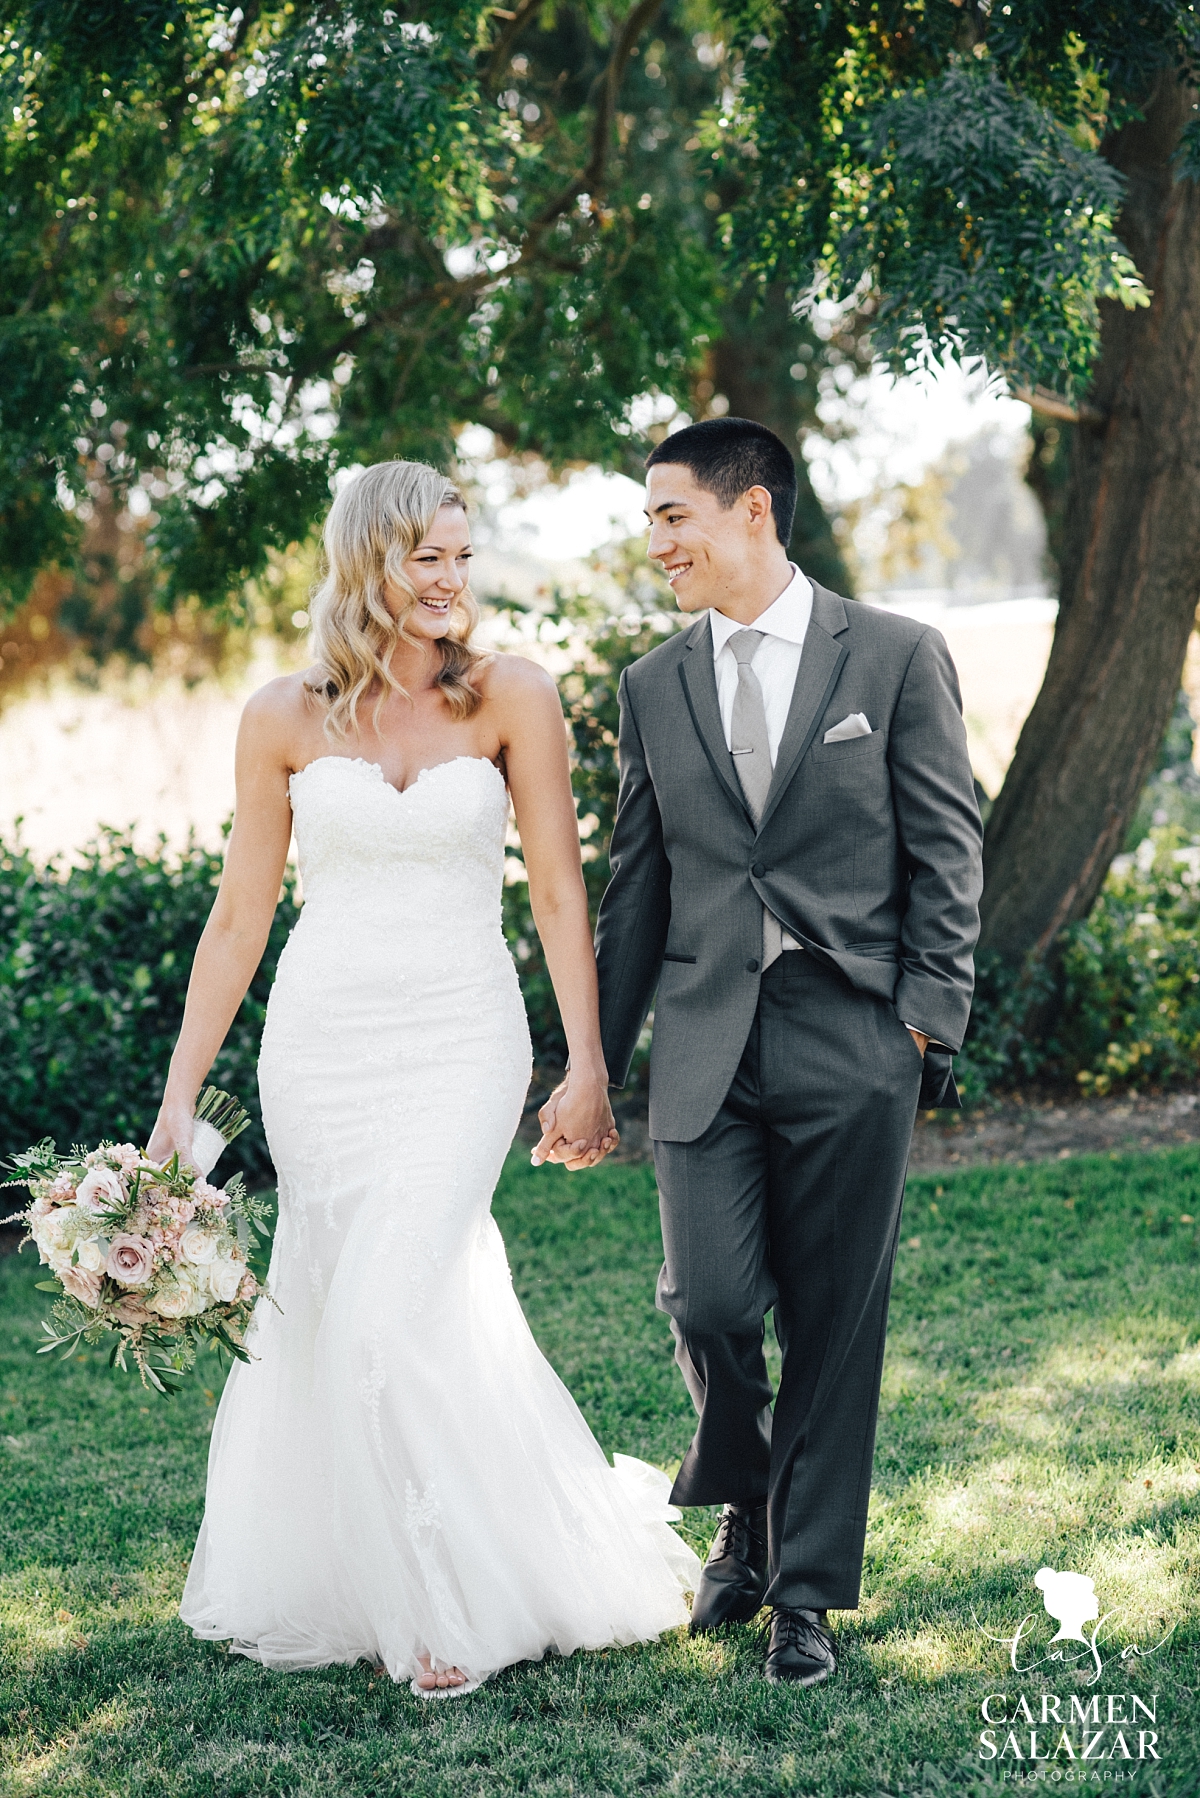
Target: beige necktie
(751,750)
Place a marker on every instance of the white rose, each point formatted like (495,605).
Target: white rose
(100,1189)
(57,1228)
(224,1277)
(54,1234)
(177,1297)
(197,1246)
(92,1253)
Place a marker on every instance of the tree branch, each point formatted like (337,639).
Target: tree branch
(446,294)
(607,89)
(1052,405)
(498,60)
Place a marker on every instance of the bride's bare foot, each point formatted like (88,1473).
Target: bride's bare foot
(430,1680)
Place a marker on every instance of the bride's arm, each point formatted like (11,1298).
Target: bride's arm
(235,935)
(531,728)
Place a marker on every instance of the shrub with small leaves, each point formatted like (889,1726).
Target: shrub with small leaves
(1119,1004)
(94,966)
(1131,1015)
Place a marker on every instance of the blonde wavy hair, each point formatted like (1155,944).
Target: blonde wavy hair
(374,525)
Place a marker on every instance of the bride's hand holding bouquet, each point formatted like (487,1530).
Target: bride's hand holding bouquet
(142,1247)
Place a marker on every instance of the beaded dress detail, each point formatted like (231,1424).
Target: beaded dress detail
(400,1471)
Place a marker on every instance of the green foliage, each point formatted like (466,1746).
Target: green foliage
(245,248)
(945,158)
(1132,972)
(94,965)
(1119,1005)
(1038,1408)
(1172,794)
(999,1052)
(94,959)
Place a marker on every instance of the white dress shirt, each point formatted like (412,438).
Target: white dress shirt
(776,661)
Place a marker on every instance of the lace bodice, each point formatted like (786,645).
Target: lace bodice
(431,855)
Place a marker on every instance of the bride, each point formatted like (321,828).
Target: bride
(399,1474)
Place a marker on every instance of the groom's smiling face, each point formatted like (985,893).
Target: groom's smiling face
(701,544)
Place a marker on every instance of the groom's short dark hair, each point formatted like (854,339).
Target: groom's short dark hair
(729,455)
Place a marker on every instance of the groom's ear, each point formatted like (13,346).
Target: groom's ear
(759,508)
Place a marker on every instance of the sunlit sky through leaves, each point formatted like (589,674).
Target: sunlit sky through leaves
(896,430)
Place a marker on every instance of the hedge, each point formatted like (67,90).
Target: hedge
(94,962)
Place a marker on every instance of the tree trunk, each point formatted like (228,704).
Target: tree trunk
(1130,569)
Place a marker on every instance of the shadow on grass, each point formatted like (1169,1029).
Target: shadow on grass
(1041,1406)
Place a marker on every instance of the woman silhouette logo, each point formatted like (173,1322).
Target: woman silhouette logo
(1070,1598)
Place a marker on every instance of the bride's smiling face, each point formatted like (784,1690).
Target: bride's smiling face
(437,573)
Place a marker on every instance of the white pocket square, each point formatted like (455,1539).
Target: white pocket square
(856,725)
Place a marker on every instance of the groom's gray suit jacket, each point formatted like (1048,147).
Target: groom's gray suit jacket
(868,851)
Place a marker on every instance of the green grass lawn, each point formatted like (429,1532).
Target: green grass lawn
(1041,1406)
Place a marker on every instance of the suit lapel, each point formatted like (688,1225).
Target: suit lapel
(698,675)
(820,665)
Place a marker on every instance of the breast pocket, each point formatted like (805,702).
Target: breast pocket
(849,786)
(855,749)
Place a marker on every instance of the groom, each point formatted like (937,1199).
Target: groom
(796,871)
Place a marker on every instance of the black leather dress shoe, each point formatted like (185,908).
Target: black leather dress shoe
(800,1648)
(735,1574)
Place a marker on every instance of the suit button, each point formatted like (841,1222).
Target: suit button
(752,966)
(757,869)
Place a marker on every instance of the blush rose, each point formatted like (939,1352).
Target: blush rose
(100,1190)
(130,1260)
(82,1284)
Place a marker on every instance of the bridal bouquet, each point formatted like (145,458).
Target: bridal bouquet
(148,1252)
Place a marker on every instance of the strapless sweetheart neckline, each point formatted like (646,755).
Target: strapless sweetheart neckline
(359,761)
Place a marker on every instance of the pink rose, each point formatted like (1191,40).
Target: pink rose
(130,1259)
(83,1284)
(133,1312)
(100,1190)
(248,1287)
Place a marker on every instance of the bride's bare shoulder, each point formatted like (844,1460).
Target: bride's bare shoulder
(288,698)
(285,706)
(509,678)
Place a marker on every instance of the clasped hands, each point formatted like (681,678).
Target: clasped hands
(578,1130)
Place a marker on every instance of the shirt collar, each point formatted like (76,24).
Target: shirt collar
(785,617)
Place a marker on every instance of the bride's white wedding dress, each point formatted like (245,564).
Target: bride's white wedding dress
(400,1472)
